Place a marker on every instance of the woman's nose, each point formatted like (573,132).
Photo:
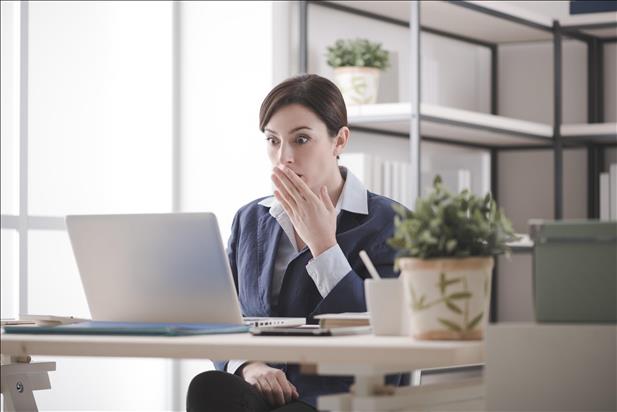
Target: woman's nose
(285,155)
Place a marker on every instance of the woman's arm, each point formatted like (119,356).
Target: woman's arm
(347,295)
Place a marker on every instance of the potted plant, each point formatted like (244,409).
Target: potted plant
(357,64)
(445,254)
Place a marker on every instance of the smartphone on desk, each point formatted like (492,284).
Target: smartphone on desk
(355,330)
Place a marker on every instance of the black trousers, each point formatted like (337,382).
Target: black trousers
(224,392)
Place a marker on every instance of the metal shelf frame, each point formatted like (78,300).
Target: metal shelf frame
(595,97)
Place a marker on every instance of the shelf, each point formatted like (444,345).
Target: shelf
(596,132)
(603,25)
(523,245)
(484,21)
(453,125)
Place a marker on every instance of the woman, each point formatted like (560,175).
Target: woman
(296,253)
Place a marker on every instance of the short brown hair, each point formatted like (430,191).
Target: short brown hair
(314,92)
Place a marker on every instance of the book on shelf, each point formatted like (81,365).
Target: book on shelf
(605,204)
(613,191)
(608,193)
(345,319)
(405,189)
(377,175)
(361,165)
(387,179)
(454,181)
(384,177)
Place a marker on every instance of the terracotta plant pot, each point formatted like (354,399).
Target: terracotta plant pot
(359,85)
(449,298)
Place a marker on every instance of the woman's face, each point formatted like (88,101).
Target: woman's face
(298,139)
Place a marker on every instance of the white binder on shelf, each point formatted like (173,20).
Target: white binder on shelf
(613,191)
(377,175)
(405,190)
(361,165)
(454,181)
(387,178)
(396,181)
(605,203)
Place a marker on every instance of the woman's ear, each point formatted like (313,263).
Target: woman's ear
(342,138)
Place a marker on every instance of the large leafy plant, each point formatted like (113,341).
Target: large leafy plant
(444,225)
(357,52)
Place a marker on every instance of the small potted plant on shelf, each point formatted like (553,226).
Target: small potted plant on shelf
(445,254)
(357,64)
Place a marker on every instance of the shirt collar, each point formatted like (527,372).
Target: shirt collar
(353,198)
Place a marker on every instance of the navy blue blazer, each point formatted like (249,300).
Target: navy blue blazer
(252,252)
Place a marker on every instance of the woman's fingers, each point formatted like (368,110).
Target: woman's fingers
(283,183)
(286,206)
(266,390)
(285,385)
(277,394)
(325,198)
(284,192)
(271,383)
(295,394)
(299,184)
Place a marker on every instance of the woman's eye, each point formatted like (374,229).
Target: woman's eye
(272,140)
(302,140)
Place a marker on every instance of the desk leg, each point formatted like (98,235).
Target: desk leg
(20,378)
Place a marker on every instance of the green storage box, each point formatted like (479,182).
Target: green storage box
(575,270)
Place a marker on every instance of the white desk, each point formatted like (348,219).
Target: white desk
(366,357)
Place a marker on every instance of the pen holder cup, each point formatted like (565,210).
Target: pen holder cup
(387,309)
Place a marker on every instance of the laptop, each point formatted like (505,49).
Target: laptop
(158,268)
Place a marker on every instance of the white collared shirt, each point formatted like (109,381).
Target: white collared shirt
(328,268)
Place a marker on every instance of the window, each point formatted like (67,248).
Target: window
(133,107)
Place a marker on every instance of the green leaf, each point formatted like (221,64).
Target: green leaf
(474,322)
(453,281)
(453,307)
(422,300)
(447,225)
(357,52)
(451,245)
(450,325)
(460,295)
(442,283)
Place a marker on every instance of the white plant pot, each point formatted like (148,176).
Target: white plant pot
(449,298)
(359,85)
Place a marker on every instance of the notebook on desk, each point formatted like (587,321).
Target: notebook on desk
(158,268)
(130,328)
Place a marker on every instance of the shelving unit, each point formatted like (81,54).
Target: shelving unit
(590,132)
(598,25)
(488,24)
(450,125)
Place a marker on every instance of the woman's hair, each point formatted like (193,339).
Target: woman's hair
(314,92)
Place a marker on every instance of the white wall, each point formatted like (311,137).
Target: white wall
(225,76)
(526,81)
(227,68)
